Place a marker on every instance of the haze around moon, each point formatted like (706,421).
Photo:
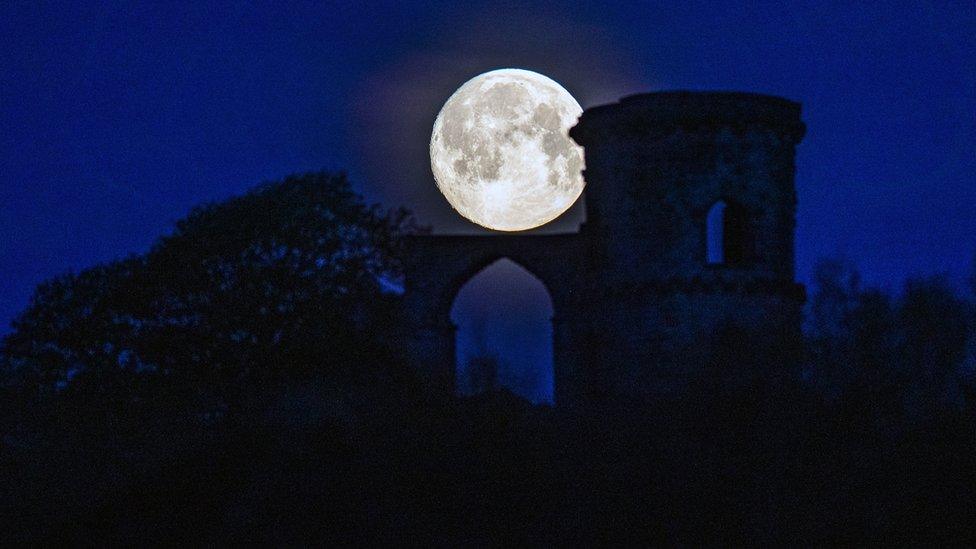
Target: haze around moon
(501,152)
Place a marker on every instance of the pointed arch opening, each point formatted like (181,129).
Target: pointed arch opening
(504,336)
(728,235)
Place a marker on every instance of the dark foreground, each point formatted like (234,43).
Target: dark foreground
(313,463)
(239,383)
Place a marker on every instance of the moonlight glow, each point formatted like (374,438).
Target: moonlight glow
(501,152)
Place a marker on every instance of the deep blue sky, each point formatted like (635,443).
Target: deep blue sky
(117,118)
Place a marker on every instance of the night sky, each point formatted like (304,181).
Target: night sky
(116,119)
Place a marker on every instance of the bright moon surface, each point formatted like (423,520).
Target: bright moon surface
(501,151)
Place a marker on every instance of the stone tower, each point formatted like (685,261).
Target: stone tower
(690,214)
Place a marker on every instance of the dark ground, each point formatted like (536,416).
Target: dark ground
(318,464)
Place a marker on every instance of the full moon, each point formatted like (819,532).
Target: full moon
(501,152)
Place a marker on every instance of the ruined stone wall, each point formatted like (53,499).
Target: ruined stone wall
(636,302)
(655,165)
(435,269)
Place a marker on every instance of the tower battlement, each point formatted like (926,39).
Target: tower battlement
(662,111)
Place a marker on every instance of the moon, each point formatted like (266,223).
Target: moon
(501,152)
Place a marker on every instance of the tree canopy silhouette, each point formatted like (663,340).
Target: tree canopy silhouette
(292,275)
(884,356)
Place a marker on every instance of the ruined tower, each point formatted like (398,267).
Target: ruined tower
(690,214)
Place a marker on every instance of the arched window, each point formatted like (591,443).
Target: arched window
(504,333)
(728,235)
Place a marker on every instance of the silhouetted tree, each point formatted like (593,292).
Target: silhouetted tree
(837,290)
(838,285)
(291,276)
(75,326)
(870,348)
(936,328)
(882,356)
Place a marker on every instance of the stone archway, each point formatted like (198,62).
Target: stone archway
(503,318)
(437,266)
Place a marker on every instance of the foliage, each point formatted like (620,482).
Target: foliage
(291,276)
(889,356)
